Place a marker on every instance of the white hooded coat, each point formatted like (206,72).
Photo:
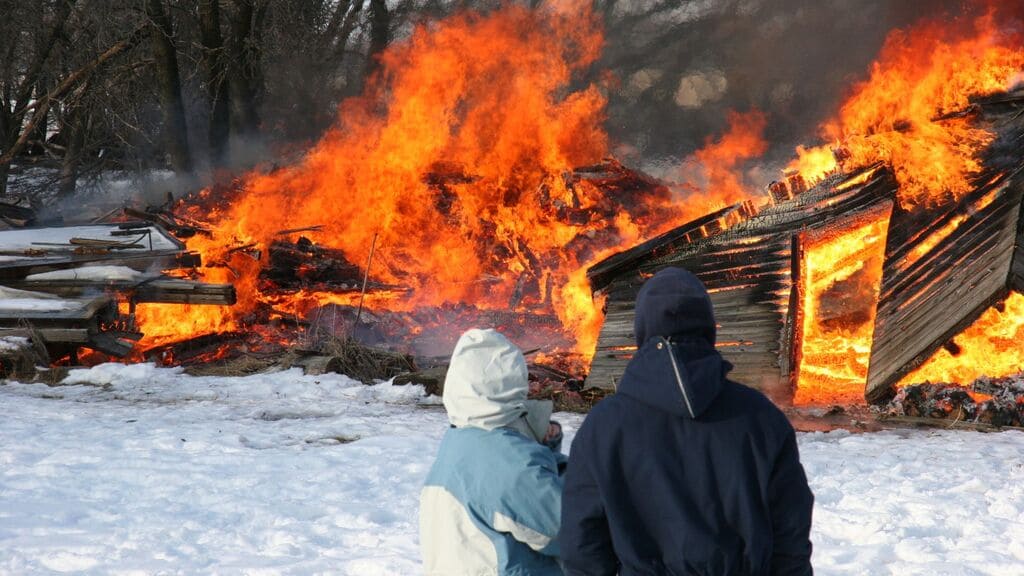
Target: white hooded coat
(491,504)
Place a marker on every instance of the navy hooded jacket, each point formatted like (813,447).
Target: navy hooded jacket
(683,471)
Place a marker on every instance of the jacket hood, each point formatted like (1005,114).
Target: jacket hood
(682,377)
(676,367)
(487,383)
(673,304)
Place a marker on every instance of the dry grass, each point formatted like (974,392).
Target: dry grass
(239,366)
(366,363)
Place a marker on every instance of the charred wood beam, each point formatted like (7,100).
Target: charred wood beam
(173,291)
(50,335)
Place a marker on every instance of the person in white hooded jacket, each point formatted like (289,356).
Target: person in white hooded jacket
(491,503)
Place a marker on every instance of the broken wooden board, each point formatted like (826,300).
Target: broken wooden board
(601,274)
(749,271)
(943,271)
(67,323)
(138,246)
(138,287)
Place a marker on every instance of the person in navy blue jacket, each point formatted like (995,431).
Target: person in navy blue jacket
(683,471)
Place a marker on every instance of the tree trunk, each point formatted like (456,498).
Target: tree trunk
(5,170)
(216,87)
(171,103)
(69,165)
(380,35)
(243,78)
(6,141)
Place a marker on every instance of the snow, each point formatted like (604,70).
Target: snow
(38,304)
(14,299)
(23,239)
(110,273)
(135,469)
(13,343)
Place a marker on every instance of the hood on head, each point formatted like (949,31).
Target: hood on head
(673,304)
(487,381)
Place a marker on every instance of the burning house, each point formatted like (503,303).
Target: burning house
(839,292)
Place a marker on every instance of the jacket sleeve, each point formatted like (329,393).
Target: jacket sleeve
(791,503)
(530,508)
(585,538)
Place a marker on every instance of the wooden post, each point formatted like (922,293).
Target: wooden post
(366,277)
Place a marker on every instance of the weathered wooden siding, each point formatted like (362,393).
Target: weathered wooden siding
(925,302)
(749,271)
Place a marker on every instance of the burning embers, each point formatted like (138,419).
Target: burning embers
(994,402)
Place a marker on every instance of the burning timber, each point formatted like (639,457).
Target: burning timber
(941,268)
(62,286)
(748,268)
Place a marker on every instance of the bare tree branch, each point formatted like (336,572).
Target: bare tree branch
(42,106)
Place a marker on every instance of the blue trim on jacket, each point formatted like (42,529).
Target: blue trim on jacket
(502,471)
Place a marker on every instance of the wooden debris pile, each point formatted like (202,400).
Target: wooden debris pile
(998,402)
(62,288)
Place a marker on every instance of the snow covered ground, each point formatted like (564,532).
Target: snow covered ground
(140,470)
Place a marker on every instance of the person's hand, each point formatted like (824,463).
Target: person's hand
(554,431)
(553,439)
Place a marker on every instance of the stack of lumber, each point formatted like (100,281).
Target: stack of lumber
(60,287)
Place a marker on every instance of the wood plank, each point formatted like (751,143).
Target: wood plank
(174,291)
(51,335)
(926,303)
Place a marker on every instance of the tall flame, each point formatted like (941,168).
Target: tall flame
(908,112)
(488,105)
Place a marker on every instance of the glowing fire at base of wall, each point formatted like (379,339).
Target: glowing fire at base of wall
(841,277)
(992,346)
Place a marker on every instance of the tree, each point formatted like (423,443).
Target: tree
(22,71)
(216,86)
(172,106)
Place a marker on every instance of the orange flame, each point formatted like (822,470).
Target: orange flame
(909,113)
(842,274)
(989,347)
(712,174)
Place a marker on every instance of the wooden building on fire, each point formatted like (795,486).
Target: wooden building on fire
(942,267)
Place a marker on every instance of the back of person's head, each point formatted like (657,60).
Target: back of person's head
(673,304)
(487,381)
